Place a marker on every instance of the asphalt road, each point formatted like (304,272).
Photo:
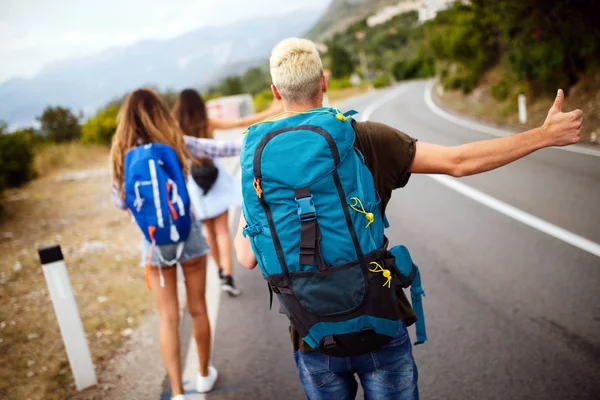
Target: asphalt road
(512,312)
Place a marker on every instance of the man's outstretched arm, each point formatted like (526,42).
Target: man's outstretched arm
(559,129)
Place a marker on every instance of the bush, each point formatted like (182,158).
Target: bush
(463,81)
(340,83)
(262,100)
(501,90)
(418,67)
(16,160)
(382,81)
(102,126)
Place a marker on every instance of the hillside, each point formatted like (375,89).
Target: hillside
(197,58)
(341,13)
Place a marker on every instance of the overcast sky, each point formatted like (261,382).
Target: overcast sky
(34,33)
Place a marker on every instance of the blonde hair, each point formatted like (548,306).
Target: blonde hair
(296,70)
(142,119)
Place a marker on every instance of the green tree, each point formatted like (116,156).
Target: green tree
(232,85)
(101,127)
(340,61)
(59,124)
(255,80)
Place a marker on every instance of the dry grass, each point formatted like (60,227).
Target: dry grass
(72,213)
(338,96)
(58,157)
(481,105)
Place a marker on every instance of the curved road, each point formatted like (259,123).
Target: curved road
(512,312)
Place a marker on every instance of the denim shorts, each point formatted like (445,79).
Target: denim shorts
(195,246)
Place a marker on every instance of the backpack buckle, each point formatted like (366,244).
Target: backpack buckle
(329,342)
(306,208)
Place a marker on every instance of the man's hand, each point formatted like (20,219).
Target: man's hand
(559,129)
(562,129)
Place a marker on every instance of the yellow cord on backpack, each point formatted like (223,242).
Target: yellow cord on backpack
(370,217)
(338,115)
(386,273)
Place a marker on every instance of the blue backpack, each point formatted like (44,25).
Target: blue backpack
(316,229)
(156,193)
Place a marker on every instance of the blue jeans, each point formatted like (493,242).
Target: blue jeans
(388,373)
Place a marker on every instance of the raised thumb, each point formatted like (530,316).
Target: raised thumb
(557,106)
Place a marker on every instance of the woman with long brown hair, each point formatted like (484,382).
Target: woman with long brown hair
(145,119)
(212,204)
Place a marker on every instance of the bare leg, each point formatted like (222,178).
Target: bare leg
(212,242)
(223,240)
(168,311)
(195,283)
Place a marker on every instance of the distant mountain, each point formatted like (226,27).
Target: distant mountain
(341,13)
(198,58)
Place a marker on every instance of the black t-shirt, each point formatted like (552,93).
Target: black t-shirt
(388,154)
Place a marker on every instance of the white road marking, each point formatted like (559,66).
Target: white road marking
(495,204)
(371,108)
(519,215)
(488,129)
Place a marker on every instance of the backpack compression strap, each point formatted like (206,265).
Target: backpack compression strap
(310,235)
(416,294)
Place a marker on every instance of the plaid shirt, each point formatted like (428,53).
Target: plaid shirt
(198,148)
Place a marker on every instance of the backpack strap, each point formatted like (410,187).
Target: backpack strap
(416,294)
(310,234)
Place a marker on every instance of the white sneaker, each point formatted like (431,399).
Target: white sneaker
(205,384)
(179,397)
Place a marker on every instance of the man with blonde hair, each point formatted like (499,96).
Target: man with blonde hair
(318,256)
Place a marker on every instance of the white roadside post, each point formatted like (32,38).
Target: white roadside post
(69,322)
(522,109)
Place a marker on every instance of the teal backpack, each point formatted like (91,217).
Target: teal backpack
(316,229)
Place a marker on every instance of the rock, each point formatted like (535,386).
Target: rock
(129,320)
(102,299)
(127,332)
(32,336)
(17,267)
(30,363)
(2,325)
(107,387)
(59,238)
(30,374)
(99,334)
